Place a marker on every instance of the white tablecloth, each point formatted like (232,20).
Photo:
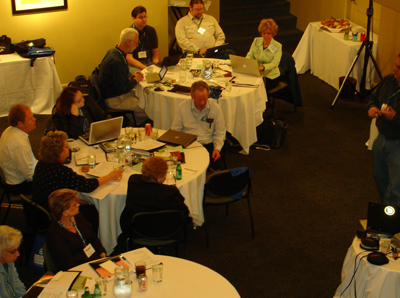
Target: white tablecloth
(371,281)
(110,208)
(37,86)
(181,278)
(329,56)
(242,107)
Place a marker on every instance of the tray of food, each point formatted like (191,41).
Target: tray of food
(335,25)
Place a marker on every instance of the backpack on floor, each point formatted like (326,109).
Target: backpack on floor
(272,132)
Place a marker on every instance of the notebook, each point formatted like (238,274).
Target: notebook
(210,52)
(155,77)
(383,219)
(177,138)
(102,131)
(245,66)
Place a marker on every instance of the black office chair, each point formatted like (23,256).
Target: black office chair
(157,229)
(288,88)
(96,95)
(38,219)
(6,193)
(48,260)
(226,187)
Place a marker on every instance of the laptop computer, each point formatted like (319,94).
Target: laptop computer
(170,60)
(245,66)
(102,131)
(155,77)
(383,219)
(175,137)
(210,52)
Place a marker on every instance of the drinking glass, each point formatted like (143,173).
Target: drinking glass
(182,75)
(102,282)
(140,268)
(154,133)
(142,134)
(128,130)
(91,160)
(157,273)
(72,294)
(189,58)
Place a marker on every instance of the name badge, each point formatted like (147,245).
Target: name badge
(272,48)
(89,250)
(201,30)
(142,54)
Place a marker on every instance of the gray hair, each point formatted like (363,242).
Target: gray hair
(126,34)
(9,237)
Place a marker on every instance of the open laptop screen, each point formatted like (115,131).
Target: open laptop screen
(383,218)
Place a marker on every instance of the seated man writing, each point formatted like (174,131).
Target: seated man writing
(204,118)
(16,157)
(147,52)
(115,82)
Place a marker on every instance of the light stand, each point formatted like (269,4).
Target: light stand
(367,44)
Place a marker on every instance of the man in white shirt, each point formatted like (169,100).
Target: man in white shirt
(197,31)
(204,118)
(16,157)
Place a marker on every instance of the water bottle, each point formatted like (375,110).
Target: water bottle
(178,171)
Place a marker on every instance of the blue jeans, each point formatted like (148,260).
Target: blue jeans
(387,169)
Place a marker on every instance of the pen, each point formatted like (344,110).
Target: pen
(232,79)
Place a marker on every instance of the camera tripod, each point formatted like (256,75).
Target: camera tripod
(367,45)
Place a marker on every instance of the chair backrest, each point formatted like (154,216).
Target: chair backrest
(2,179)
(48,260)
(157,225)
(37,218)
(227,183)
(95,91)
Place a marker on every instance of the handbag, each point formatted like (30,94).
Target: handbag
(5,45)
(23,46)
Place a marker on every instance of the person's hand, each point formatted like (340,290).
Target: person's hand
(103,255)
(116,175)
(202,51)
(215,155)
(389,113)
(374,112)
(83,202)
(74,109)
(261,68)
(138,76)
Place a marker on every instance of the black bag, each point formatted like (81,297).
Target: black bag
(23,46)
(82,83)
(272,132)
(5,45)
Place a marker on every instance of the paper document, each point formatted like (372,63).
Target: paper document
(141,254)
(81,156)
(103,191)
(148,144)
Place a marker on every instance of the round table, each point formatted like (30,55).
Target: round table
(242,107)
(371,280)
(110,207)
(181,278)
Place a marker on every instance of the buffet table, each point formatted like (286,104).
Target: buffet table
(110,207)
(181,278)
(371,280)
(329,56)
(242,107)
(37,87)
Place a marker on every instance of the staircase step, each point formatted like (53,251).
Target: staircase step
(250,27)
(269,9)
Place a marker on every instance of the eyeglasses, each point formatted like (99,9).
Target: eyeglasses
(134,42)
(397,66)
(12,251)
(143,17)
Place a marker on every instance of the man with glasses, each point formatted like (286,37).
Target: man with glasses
(197,31)
(115,81)
(147,52)
(385,107)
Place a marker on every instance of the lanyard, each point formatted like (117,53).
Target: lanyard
(9,285)
(119,51)
(76,228)
(198,25)
(79,232)
(141,42)
(398,90)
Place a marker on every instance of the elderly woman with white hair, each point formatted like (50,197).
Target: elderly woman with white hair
(10,284)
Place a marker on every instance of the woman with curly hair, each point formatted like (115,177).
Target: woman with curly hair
(73,114)
(268,52)
(50,173)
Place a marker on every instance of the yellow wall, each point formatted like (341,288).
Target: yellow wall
(82,34)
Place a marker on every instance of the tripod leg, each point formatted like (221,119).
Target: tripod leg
(375,64)
(347,75)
